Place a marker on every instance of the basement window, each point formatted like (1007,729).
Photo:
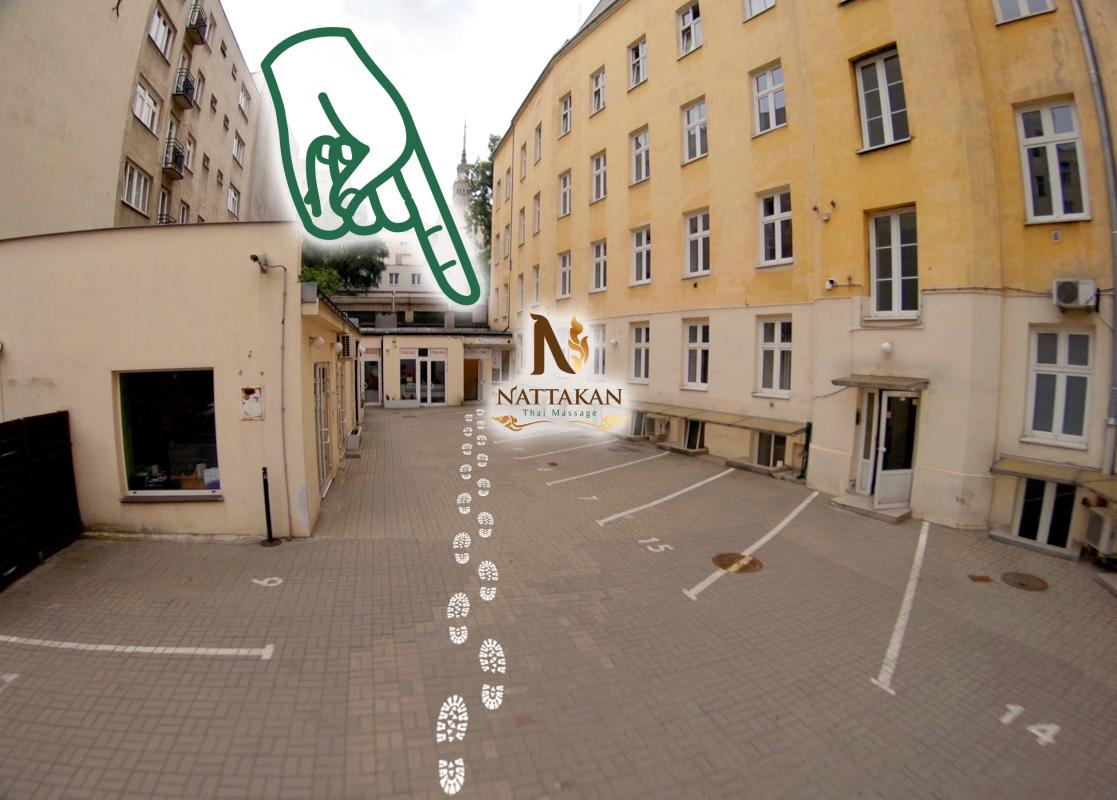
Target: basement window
(169,434)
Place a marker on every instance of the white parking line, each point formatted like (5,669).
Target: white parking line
(763,540)
(672,496)
(892,655)
(607,469)
(564,450)
(262,653)
(7,680)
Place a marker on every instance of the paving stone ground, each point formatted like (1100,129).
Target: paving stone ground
(618,685)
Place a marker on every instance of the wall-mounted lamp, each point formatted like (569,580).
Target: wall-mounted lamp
(613,342)
(886,348)
(318,342)
(337,348)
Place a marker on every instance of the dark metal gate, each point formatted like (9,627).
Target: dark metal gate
(38,497)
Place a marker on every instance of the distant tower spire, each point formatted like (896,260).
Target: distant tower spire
(465,130)
(461,185)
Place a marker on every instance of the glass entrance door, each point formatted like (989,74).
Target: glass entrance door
(867,458)
(408,389)
(322,424)
(372,382)
(896,449)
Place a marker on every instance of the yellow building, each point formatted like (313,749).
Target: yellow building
(852,216)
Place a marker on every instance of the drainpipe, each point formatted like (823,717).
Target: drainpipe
(262,262)
(1108,462)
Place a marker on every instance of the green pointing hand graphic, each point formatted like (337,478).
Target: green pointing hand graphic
(351,184)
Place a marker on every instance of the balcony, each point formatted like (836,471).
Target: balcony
(165,219)
(184,89)
(196,27)
(174,160)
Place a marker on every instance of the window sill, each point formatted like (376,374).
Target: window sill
(598,200)
(766,265)
(639,381)
(563,216)
(172,497)
(595,113)
(772,395)
(695,275)
(599,291)
(1001,22)
(639,182)
(565,133)
(637,85)
(757,14)
(648,282)
(562,297)
(1058,220)
(773,129)
(687,388)
(884,146)
(129,205)
(692,160)
(145,126)
(886,321)
(1064,444)
(694,49)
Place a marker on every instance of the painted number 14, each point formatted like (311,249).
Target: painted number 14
(655,548)
(1044,733)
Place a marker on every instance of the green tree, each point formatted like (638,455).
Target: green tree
(353,264)
(480,211)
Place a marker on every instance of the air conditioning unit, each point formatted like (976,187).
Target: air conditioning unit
(655,425)
(348,347)
(1075,292)
(1101,530)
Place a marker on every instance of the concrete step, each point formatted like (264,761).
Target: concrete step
(859,504)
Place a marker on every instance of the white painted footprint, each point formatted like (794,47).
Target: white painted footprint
(485,520)
(482,440)
(469,418)
(459,635)
(492,658)
(461,545)
(483,486)
(466,471)
(458,607)
(488,593)
(464,499)
(492,696)
(451,775)
(467,448)
(453,720)
(487,572)
(467,431)
(480,412)
(482,460)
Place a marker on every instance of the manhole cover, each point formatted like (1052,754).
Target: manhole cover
(1022,580)
(735,562)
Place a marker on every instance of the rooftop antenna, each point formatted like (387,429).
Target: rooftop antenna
(465,130)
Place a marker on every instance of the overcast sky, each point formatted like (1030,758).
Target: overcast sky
(452,60)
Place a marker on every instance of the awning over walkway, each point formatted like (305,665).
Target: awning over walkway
(777,426)
(892,383)
(1094,481)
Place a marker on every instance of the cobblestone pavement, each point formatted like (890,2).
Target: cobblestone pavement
(618,684)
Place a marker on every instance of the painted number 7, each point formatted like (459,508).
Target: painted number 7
(1044,733)
(655,548)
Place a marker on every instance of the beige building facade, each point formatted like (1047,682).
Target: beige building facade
(140,114)
(830,240)
(186,370)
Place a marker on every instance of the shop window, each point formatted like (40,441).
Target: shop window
(1044,510)
(170,437)
(771,450)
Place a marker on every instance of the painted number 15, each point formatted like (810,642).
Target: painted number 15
(655,548)
(1044,733)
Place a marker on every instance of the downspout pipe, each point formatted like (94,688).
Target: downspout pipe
(265,267)
(1102,111)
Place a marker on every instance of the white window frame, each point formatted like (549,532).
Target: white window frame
(699,236)
(566,199)
(136,189)
(1050,142)
(497,194)
(896,276)
(244,100)
(183,212)
(641,256)
(538,142)
(564,276)
(640,363)
(781,352)
(1062,369)
(772,93)
(191,146)
(696,127)
(701,348)
(1046,513)
(637,62)
(161,29)
(641,156)
(689,25)
(775,221)
(597,351)
(600,272)
(754,8)
(416,279)
(233,200)
(523,161)
(1022,8)
(890,137)
(776,439)
(523,225)
(520,293)
(537,213)
(566,114)
(145,107)
(508,240)
(507,302)
(507,184)
(393,279)
(597,91)
(599,169)
(535,285)
(238,147)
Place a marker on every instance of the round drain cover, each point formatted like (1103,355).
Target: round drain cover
(1022,580)
(735,562)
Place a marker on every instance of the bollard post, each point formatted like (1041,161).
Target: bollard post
(270,541)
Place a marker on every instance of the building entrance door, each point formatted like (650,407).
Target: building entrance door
(867,449)
(372,382)
(322,424)
(895,449)
(408,374)
(432,376)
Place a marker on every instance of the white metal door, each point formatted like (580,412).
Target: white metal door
(896,449)
(867,453)
(322,422)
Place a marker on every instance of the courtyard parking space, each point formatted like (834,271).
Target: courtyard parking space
(859,660)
